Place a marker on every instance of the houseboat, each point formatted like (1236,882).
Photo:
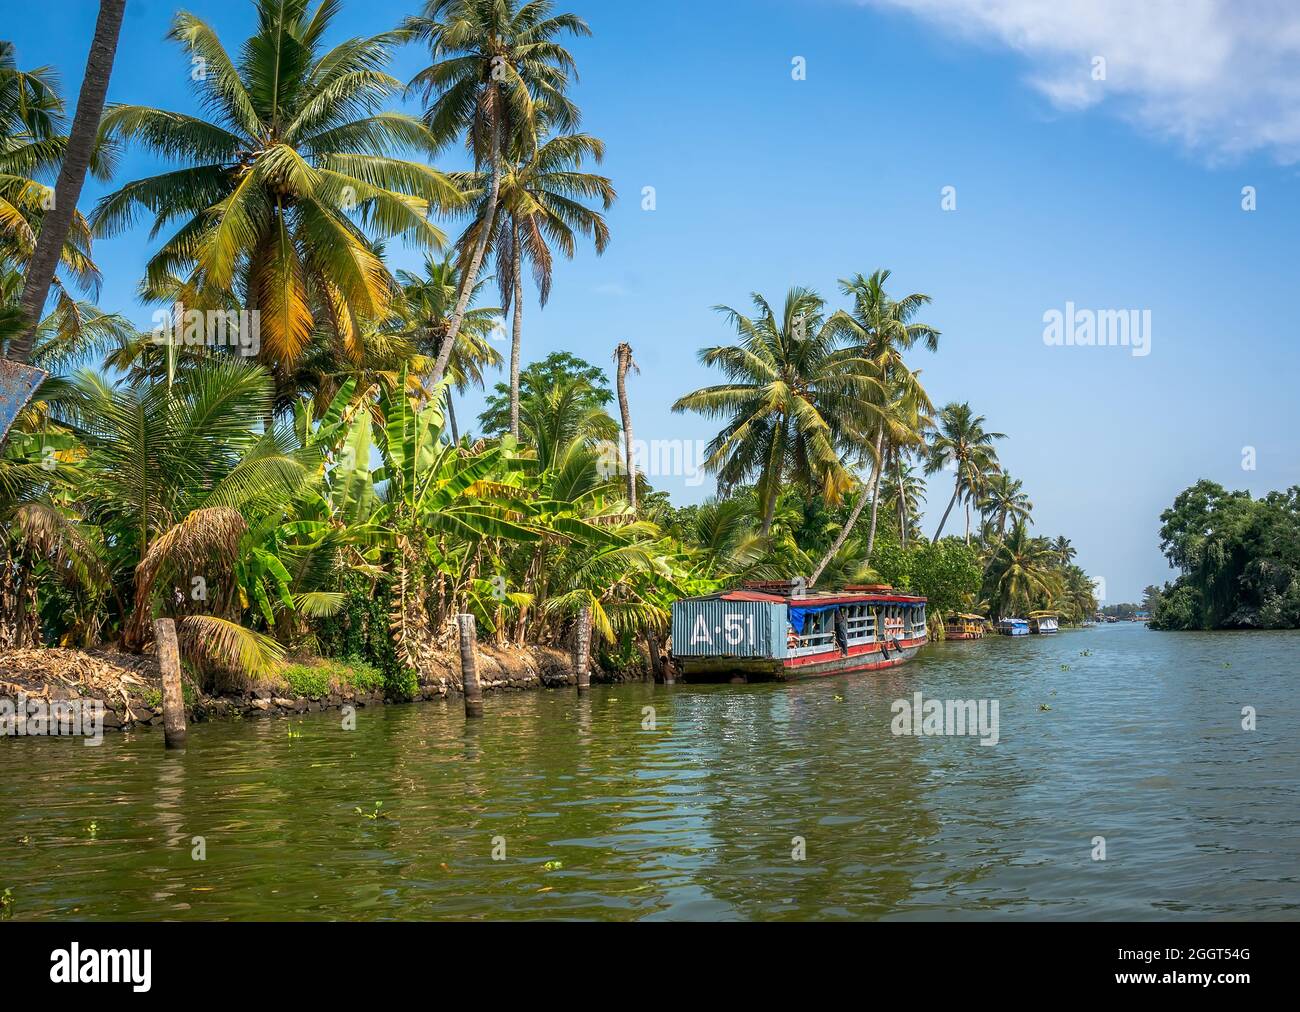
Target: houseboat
(766,631)
(964,627)
(1043,623)
(1013,627)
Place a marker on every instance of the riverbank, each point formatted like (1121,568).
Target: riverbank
(130,686)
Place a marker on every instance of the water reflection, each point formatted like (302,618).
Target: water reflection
(1119,732)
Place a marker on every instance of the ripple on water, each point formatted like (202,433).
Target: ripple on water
(706,816)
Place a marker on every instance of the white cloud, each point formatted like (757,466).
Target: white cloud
(1221,77)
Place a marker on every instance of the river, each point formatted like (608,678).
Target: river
(778,801)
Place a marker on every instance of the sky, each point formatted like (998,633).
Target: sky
(1097,153)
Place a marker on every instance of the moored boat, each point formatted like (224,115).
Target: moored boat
(774,631)
(1013,627)
(964,627)
(1043,623)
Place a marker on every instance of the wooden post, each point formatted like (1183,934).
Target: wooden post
(173,700)
(469,665)
(582,650)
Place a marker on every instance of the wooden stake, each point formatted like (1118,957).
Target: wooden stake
(173,699)
(469,665)
(582,650)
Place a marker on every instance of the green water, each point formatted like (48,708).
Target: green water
(696,818)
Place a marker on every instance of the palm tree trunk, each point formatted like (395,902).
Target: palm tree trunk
(451,419)
(624,354)
(951,502)
(968,521)
(875,491)
(517,335)
(470,279)
(902,501)
(72,173)
(840,539)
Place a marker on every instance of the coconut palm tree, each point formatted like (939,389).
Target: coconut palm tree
(541,205)
(424,316)
(283,193)
(176,475)
(795,400)
(905,490)
(882,329)
(31,148)
(1065,551)
(1005,500)
(58,222)
(497,72)
(623,359)
(960,443)
(1022,569)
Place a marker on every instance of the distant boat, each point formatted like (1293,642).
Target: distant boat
(1013,627)
(773,631)
(1043,623)
(964,627)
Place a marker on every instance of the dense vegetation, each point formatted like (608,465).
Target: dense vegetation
(1238,557)
(318,496)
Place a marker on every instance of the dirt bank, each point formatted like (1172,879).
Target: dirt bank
(130,687)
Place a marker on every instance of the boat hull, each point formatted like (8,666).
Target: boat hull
(867,657)
(963,636)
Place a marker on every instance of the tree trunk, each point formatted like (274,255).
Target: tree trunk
(469,681)
(624,356)
(968,521)
(72,174)
(470,279)
(451,419)
(839,541)
(582,650)
(902,502)
(951,502)
(173,697)
(875,491)
(517,336)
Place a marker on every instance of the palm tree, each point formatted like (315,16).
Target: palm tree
(623,357)
(882,328)
(497,72)
(540,206)
(1005,500)
(1065,551)
(961,443)
(175,476)
(58,221)
(906,491)
(795,400)
(284,192)
(424,316)
(1021,570)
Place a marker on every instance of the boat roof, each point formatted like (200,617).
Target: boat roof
(1022,621)
(811,598)
(974,618)
(1043,614)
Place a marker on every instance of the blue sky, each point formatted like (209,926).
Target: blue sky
(1123,194)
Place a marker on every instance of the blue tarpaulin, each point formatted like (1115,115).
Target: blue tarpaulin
(798,615)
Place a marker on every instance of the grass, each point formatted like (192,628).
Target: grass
(322,677)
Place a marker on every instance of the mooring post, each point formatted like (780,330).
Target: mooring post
(173,699)
(469,665)
(582,650)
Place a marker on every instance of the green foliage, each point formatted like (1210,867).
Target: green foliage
(1239,557)
(322,677)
